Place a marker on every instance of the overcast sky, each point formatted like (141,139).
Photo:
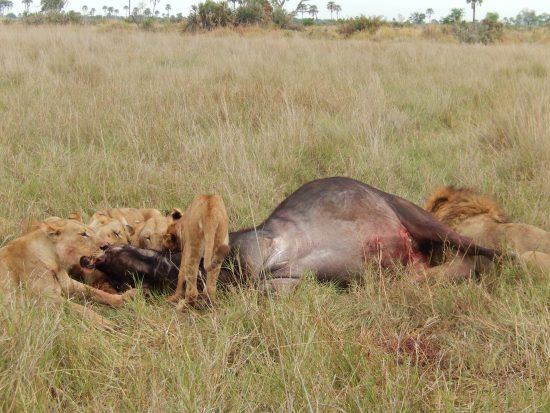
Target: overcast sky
(387,8)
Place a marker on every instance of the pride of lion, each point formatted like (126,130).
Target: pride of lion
(52,258)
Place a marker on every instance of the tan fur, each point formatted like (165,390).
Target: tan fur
(117,226)
(150,233)
(41,259)
(112,232)
(479,217)
(127,216)
(28,225)
(200,232)
(121,223)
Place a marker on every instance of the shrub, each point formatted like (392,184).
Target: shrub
(281,18)
(147,24)
(488,31)
(308,22)
(209,15)
(53,17)
(251,12)
(361,24)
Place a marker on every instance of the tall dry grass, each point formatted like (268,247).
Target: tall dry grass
(90,119)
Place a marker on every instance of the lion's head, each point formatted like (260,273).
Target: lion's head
(72,240)
(152,233)
(114,232)
(454,205)
(171,240)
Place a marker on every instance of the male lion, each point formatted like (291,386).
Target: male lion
(479,217)
(40,261)
(200,232)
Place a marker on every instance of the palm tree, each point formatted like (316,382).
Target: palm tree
(337,9)
(330,6)
(429,13)
(104,8)
(302,8)
(5,5)
(154,3)
(110,10)
(168,8)
(126,10)
(92,12)
(27,4)
(313,11)
(147,12)
(84,9)
(117,11)
(474,3)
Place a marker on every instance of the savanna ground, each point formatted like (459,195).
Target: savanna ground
(90,119)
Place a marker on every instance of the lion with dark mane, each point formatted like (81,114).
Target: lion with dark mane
(480,218)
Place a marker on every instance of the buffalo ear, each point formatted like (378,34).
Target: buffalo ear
(176,214)
(75,216)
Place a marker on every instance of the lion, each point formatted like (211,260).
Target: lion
(126,216)
(108,230)
(149,234)
(479,217)
(41,259)
(116,226)
(200,232)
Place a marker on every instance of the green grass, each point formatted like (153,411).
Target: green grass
(91,119)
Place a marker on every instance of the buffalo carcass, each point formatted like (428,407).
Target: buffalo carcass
(333,228)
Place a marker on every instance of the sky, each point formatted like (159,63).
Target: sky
(387,8)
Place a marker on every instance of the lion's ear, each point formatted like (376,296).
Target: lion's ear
(176,214)
(52,229)
(129,229)
(75,216)
(103,219)
(29,225)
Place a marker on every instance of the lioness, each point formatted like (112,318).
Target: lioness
(126,216)
(200,232)
(479,217)
(40,260)
(117,226)
(149,234)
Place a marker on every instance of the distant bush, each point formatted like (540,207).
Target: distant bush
(53,17)
(147,24)
(253,12)
(281,18)
(308,22)
(361,24)
(486,32)
(209,15)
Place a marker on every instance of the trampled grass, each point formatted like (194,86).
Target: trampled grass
(90,119)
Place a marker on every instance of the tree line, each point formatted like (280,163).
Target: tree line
(211,13)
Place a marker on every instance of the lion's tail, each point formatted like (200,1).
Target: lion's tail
(213,258)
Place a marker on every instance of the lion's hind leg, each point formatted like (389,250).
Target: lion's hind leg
(536,259)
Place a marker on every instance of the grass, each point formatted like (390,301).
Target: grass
(90,119)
